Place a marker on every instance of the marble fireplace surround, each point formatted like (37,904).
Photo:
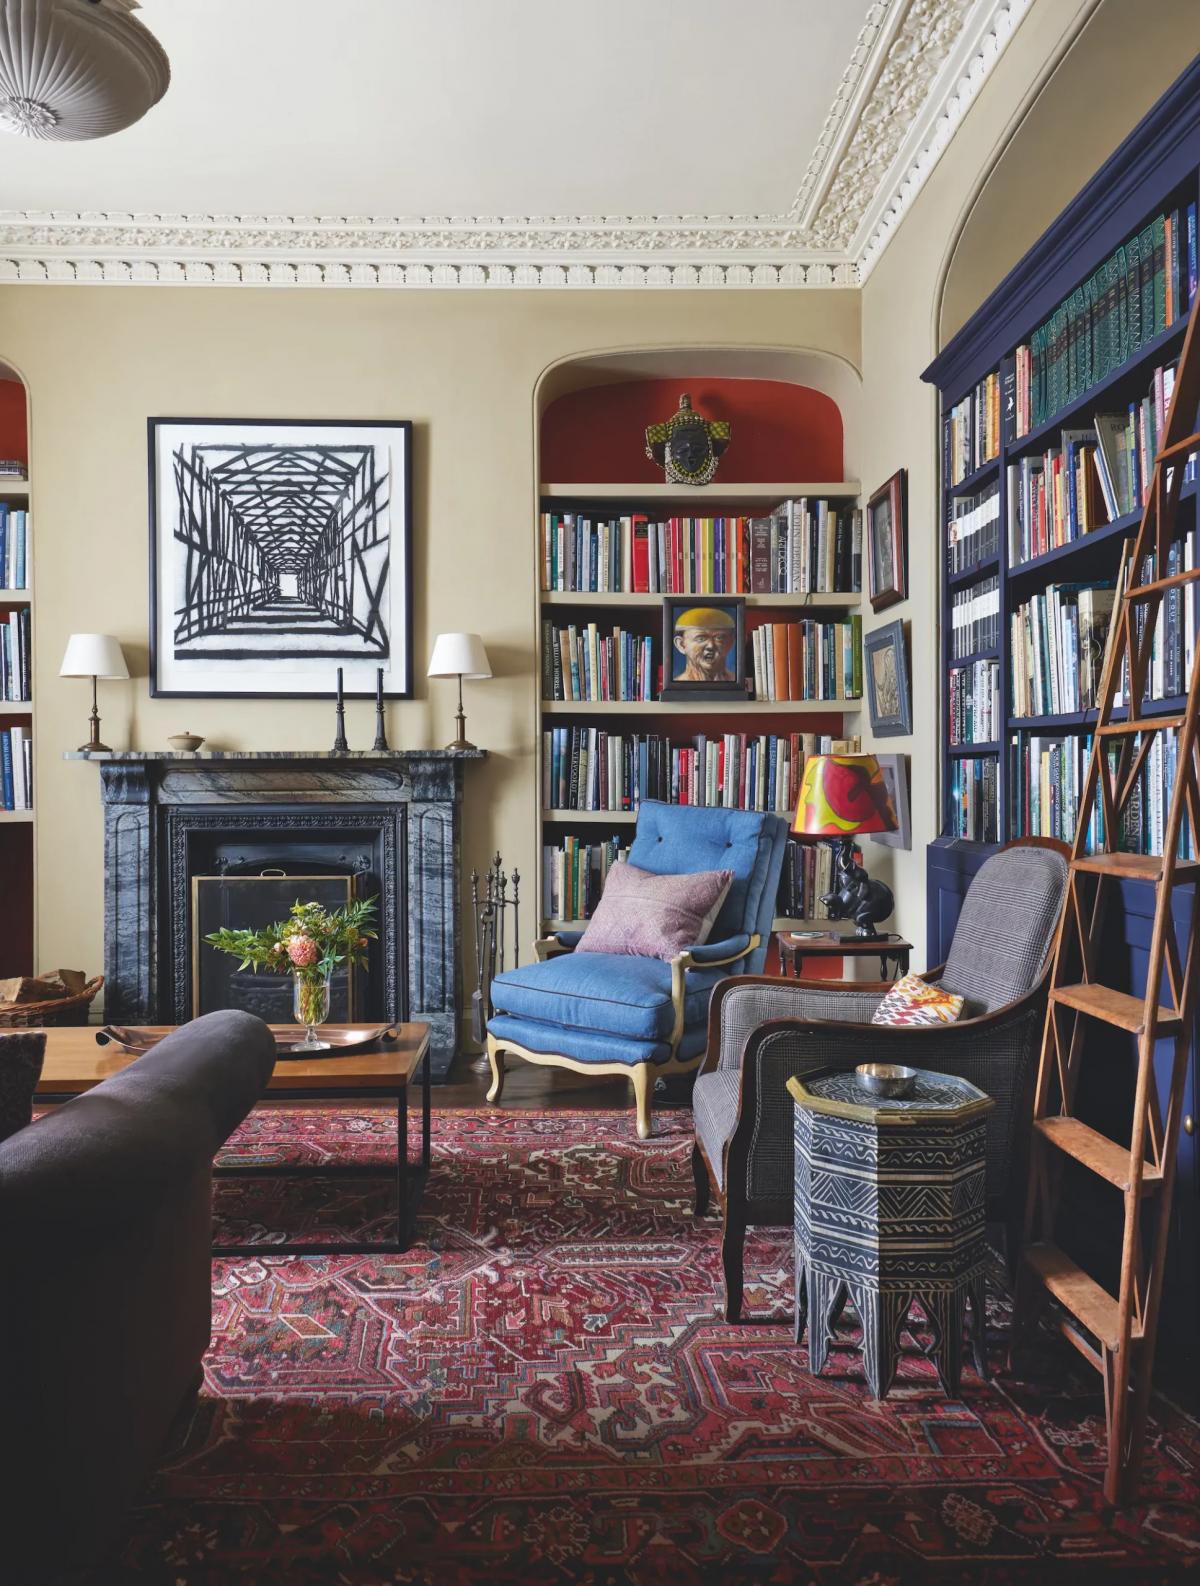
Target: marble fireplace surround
(408,800)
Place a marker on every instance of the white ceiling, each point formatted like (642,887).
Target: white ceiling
(510,142)
(463,107)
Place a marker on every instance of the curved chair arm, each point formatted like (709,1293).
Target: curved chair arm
(996,1051)
(739,1006)
(732,950)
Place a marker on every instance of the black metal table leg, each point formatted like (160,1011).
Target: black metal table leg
(402,1167)
(426,1126)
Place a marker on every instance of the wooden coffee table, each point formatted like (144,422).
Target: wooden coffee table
(76,1062)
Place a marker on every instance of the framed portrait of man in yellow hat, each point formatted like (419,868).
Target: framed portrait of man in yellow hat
(704,647)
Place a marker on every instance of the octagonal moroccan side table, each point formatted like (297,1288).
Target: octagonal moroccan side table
(889,1208)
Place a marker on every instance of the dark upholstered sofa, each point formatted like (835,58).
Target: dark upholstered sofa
(105,1271)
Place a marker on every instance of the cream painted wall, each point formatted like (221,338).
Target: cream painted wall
(967,232)
(462,365)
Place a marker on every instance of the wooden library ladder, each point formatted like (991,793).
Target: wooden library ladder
(1116,1333)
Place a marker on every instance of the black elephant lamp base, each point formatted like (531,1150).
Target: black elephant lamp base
(855,896)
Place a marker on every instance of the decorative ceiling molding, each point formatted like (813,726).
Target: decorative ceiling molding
(916,67)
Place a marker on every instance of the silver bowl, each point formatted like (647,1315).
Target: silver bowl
(887,1079)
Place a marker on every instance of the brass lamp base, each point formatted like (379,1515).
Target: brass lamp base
(460,744)
(94,746)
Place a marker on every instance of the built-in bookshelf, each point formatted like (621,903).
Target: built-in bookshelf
(1077,343)
(16,710)
(1048,439)
(607,556)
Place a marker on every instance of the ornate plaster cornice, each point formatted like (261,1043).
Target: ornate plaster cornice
(916,67)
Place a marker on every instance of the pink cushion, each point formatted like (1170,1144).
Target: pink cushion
(650,916)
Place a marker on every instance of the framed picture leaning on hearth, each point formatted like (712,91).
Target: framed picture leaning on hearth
(280,550)
(887,543)
(888,695)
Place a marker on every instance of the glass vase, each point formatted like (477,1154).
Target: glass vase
(310,1005)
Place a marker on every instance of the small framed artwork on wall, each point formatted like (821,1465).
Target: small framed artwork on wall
(704,647)
(887,543)
(280,551)
(888,696)
(894,770)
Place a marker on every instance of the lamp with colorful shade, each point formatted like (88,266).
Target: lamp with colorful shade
(844,796)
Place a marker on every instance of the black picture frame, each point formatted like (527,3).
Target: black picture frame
(889,693)
(359,671)
(680,688)
(887,543)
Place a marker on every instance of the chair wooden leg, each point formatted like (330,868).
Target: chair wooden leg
(643,1086)
(496,1059)
(732,1250)
(700,1177)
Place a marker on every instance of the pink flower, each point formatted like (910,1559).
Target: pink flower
(302,951)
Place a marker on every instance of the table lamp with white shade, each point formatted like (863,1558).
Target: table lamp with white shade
(93,655)
(459,655)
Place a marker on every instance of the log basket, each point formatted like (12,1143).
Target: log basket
(71,1010)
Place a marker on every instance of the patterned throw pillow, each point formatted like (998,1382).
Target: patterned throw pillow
(649,916)
(21,1058)
(914,1001)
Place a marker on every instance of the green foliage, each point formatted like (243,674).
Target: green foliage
(337,937)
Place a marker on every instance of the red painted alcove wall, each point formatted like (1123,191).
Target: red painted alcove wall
(780,432)
(14,435)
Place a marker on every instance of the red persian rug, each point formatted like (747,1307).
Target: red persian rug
(541,1391)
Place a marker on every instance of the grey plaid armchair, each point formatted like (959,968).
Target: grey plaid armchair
(763,1030)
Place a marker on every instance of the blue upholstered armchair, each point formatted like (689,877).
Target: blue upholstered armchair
(610,1013)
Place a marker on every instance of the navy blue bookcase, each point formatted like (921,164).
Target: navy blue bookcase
(1156,168)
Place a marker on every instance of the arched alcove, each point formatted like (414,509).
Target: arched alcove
(793,409)
(16,825)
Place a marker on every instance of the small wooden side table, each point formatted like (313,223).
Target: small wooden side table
(889,1208)
(794,945)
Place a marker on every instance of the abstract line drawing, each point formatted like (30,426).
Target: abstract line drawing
(280,553)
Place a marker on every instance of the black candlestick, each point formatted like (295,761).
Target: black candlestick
(340,746)
(380,731)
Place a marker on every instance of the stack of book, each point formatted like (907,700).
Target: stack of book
(971,430)
(1136,293)
(974,799)
(804,547)
(1057,644)
(807,875)
(975,618)
(586,768)
(974,530)
(1173,638)
(14,547)
(1046,773)
(1055,497)
(1128,445)
(15,664)
(974,704)
(584,664)
(16,769)
(807,660)
(573,876)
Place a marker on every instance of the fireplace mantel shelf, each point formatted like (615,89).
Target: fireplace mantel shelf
(189,757)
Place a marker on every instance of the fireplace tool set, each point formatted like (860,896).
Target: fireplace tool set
(489,910)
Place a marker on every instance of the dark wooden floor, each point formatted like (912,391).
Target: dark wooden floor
(528,1085)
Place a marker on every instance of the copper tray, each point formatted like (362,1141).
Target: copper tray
(342,1038)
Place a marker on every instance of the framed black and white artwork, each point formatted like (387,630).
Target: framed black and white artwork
(280,550)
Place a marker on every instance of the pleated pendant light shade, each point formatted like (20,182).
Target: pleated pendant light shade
(73,69)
